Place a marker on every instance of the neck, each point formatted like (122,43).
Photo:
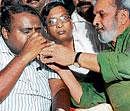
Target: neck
(69,44)
(122,28)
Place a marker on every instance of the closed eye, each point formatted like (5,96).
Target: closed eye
(26,30)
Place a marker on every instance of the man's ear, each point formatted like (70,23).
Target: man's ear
(5,33)
(123,16)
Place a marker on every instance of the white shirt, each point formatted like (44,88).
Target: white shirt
(81,36)
(31,92)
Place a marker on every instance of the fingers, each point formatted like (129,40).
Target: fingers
(46,60)
(36,35)
(48,44)
(48,50)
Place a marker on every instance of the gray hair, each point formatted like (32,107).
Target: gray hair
(123,4)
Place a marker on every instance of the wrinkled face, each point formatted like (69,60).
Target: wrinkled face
(22,25)
(59,24)
(35,3)
(106,20)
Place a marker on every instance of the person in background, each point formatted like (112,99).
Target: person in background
(37,4)
(56,19)
(0,2)
(23,79)
(85,36)
(85,9)
(84,33)
(112,21)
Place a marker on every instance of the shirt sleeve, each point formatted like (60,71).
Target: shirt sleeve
(114,66)
(4,60)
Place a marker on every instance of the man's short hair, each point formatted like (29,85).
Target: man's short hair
(45,10)
(123,4)
(9,9)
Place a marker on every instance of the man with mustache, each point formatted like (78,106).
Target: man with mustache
(84,32)
(85,9)
(37,4)
(112,20)
(23,78)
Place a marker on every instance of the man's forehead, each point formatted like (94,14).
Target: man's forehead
(25,14)
(102,4)
(26,19)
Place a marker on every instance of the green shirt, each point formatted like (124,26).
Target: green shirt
(115,68)
(93,91)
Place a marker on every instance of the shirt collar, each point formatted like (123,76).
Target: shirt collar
(122,36)
(4,48)
(77,18)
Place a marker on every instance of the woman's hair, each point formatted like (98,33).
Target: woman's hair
(46,9)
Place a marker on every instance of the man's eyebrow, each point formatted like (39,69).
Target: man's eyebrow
(30,28)
(98,12)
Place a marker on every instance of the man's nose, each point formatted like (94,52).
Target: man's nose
(35,29)
(97,20)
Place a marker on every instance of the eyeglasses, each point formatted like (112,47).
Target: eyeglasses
(54,21)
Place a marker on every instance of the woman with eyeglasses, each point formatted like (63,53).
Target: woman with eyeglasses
(58,24)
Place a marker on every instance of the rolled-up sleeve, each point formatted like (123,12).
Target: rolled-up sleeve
(114,66)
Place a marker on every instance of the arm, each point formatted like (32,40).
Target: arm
(114,66)
(64,56)
(11,73)
(89,61)
(70,81)
(72,84)
(60,94)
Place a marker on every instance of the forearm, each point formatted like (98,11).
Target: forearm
(60,93)
(10,74)
(89,61)
(73,85)
(56,85)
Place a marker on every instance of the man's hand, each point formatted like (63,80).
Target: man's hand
(33,46)
(58,54)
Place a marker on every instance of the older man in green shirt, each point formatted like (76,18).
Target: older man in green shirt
(112,20)
(115,68)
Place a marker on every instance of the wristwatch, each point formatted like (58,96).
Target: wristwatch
(77,59)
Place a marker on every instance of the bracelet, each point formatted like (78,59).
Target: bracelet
(77,57)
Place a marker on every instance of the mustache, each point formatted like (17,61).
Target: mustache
(82,3)
(99,28)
